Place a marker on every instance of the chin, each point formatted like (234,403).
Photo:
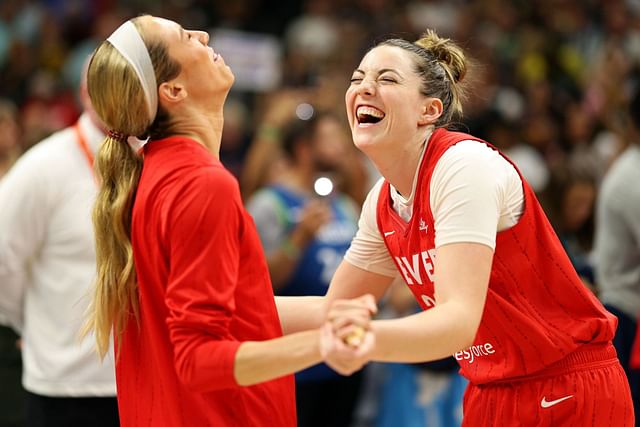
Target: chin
(228,83)
(362,143)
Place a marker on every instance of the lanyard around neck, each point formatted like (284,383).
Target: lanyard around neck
(84,147)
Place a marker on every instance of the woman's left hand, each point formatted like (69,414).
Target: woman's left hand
(350,316)
(342,357)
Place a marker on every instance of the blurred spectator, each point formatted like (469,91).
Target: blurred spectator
(618,248)
(47,264)
(235,142)
(103,25)
(585,146)
(10,146)
(11,392)
(503,133)
(305,236)
(569,202)
(311,39)
(314,33)
(263,162)
(47,108)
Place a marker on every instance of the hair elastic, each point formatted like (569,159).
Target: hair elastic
(127,40)
(118,136)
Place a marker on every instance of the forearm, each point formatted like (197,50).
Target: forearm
(283,260)
(426,336)
(258,361)
(262,361)
(301,313)
(264,152)
(282,263)
(462,280)
(304,313)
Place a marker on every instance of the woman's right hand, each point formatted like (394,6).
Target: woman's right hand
(346,342)
(344,358)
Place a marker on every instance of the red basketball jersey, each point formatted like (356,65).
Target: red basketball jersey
(537,310)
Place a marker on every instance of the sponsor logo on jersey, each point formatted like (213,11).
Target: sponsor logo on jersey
(475,351)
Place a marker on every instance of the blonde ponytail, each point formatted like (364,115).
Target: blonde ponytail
(115,296)
(119,100)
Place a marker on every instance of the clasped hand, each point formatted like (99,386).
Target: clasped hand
(346,341)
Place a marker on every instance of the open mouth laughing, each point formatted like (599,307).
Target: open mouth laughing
(366,114)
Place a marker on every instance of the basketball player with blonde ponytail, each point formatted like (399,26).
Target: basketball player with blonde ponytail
(182,283)
(119,167)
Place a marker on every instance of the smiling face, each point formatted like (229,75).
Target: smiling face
(203,71)
(384,104)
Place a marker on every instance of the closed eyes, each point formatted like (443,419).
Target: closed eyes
(383,79)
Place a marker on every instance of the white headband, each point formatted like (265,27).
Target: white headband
(127,40)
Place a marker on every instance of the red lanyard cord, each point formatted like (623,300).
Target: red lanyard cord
(84,147)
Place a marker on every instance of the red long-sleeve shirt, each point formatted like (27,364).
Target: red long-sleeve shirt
(204,288)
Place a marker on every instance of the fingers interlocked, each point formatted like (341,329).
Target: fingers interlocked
(346,340)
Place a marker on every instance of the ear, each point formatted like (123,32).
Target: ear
(431,111)
(171,92)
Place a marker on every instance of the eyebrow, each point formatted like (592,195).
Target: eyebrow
(382,71)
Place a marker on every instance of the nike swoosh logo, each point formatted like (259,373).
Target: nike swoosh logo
(548,404)
(389,233)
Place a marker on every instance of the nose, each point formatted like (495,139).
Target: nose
(203,36)
(366,87)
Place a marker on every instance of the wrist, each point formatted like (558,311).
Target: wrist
(269,132)
(290,249)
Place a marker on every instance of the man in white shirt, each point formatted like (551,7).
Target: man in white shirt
(47,265)
(617,248)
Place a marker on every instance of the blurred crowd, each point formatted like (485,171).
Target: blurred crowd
(552,80)
(553,75)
